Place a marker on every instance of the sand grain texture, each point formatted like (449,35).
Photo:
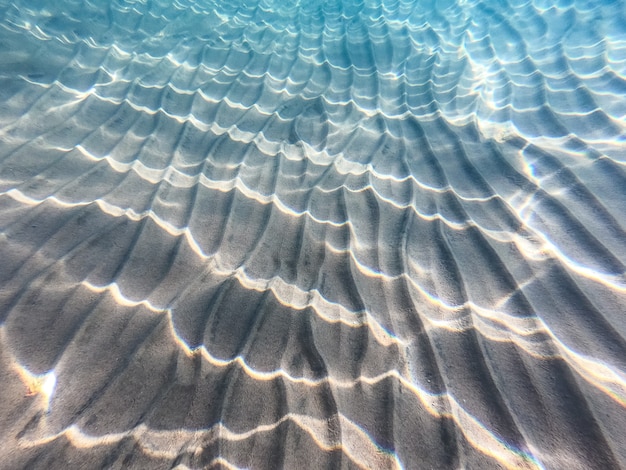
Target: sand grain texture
(316,234)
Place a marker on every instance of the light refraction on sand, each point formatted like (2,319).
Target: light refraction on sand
(312,234)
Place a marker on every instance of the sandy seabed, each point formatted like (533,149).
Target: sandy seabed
(317,234)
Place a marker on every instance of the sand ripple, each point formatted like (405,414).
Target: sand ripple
(314,234)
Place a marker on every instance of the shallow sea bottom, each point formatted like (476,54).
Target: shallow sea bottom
(321,234)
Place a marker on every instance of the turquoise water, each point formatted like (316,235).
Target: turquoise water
(317,234)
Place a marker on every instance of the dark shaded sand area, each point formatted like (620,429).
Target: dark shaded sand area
(314,234)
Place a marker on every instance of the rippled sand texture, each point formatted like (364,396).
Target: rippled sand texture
(312,234)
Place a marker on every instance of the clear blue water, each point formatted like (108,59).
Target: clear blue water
(316,234)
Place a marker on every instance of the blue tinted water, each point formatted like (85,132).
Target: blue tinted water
(317,234)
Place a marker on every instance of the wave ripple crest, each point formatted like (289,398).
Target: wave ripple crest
(361,234)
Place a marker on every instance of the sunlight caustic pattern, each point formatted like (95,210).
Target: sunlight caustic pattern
(315,234)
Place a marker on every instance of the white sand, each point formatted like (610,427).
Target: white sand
(370,237)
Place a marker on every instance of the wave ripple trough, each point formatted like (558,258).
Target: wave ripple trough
(313,234)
